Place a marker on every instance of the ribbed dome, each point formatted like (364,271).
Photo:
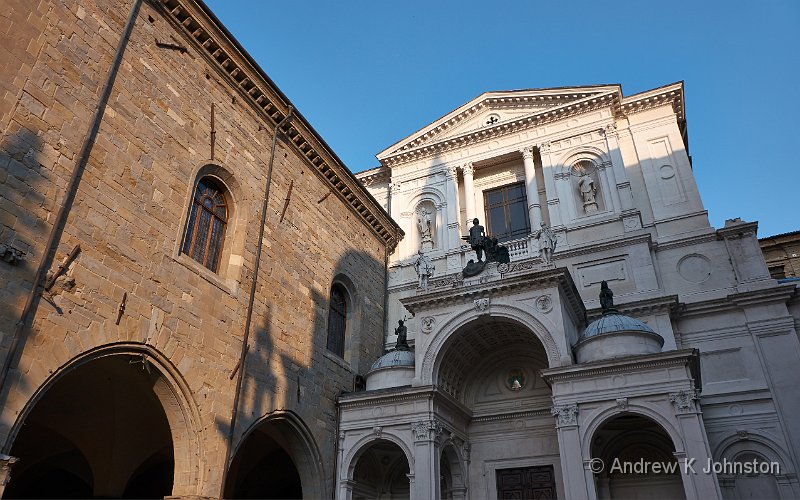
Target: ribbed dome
(615,322)
(394,358)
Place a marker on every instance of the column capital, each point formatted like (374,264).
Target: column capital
(684,401)
(527,153)
(426,430)
(544,148)
(609,130)
(451,171)
(468,168)
(566,415)
(395,187)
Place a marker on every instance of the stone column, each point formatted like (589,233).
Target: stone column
(578,477)
(697,484)
(532,189)
(553,205)
(426,460)
(453,237)
(623,186)
(469,192)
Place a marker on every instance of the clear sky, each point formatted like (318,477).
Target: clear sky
(368,73)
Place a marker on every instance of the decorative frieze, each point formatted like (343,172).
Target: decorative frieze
(684,401)
(566,415)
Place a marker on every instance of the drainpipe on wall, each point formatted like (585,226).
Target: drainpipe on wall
(53,240)
(250,303)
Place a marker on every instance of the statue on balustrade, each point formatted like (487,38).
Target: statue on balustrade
(481,244)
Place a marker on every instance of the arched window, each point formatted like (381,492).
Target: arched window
(205,230)
(337,320)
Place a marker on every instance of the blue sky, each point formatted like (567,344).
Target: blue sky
(368,73)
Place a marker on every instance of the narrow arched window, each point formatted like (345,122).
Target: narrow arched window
(205,231)
(337,320)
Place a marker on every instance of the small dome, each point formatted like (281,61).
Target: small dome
(615,335)
(394,358)
(615,322)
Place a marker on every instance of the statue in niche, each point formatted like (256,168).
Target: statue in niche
(402,337)
(547,243)
(425,226)
(587,190)
(424,268)
(483,244)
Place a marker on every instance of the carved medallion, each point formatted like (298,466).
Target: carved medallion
(428,323)
(544,304)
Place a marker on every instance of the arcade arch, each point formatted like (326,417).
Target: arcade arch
(277,458)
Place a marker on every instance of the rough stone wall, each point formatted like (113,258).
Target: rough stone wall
(782,253)
(128,219)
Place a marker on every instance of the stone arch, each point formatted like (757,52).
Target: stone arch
(360,446)
(456,480)
(647,410)
(239,195)
(432,359)
(754,442)
(172,392)
(302,449)
(368,479)
(583,152)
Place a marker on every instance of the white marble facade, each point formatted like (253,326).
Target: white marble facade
(497,401)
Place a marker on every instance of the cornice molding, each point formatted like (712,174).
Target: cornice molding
(199,26)
(558,277)
(668,304)
(683,357)
(413,150)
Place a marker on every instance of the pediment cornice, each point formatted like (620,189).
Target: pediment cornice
(544,106)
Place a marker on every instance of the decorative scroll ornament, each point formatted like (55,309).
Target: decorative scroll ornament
(684,401)
(426,430)
(565,415)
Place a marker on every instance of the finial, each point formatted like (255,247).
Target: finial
(607,299)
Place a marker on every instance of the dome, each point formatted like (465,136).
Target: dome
(615,335)
(394,358)
(615,322)
(393,369)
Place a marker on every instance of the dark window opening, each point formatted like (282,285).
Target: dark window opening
(205,229)
(507,212)
(337,320)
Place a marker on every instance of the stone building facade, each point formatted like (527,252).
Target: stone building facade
(137,141)
(625,329)
(782,253)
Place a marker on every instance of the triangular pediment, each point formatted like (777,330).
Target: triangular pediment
(495,109)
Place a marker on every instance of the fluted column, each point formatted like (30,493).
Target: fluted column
(469,191)
(453,236)
(532,189)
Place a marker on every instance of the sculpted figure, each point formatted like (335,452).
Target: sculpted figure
(425,226)
(587,190)
(402,336)
(547,243)
(477,235)
(424,268)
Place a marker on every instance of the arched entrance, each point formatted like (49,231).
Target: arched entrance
(100,429)
(638,460)
(380,471)
(491,365)
(276,459)
(451,474)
